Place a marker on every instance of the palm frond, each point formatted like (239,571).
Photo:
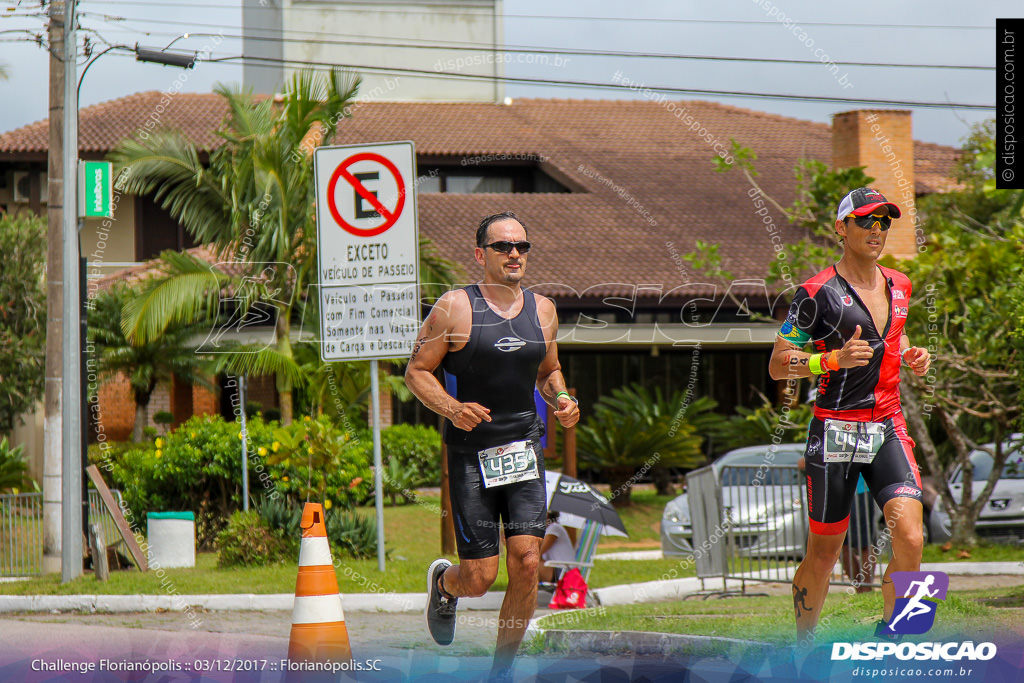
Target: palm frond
(167,165)
(253,359)
(187,293)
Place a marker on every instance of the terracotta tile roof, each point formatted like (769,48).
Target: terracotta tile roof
(103,125)
(648,190)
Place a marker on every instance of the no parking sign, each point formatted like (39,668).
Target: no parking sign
(367,250)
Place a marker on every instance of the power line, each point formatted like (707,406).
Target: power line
(464,12)
(456,46)
(610,86)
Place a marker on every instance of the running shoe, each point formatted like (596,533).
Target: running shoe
(883,631)
(440,611)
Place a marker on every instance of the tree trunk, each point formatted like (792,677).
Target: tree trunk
(140,421)
(284,383)
(620,480)
(663,481)
(963,535)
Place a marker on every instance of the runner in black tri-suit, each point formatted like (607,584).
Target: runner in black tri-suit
(495,342)
(852,314)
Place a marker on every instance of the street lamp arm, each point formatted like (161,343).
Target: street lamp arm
(93,61)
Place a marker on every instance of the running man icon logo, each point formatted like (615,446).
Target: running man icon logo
(920,592)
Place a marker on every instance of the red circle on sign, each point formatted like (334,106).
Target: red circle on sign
(342,172)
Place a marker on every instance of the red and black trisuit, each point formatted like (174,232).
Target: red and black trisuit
(858,425)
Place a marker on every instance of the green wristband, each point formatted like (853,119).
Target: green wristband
(815,364)
(565,393)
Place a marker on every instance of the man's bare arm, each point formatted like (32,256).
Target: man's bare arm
(429,350)
(550,381)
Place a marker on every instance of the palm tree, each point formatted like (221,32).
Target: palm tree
(633,430)
(251,203)
(145,364)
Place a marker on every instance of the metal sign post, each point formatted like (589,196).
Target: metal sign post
(368,266)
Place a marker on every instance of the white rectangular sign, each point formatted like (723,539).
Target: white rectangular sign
(367,235)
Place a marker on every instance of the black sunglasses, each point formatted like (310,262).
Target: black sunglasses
(867,222)
(504,247)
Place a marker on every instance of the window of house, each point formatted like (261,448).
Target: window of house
(445,177)
(156,230)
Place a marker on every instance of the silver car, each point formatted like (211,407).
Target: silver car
(763,501)
(1002,518)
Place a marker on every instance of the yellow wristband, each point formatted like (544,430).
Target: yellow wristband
(815,364)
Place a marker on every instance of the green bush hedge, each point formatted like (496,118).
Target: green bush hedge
(411,455)
(197,468)
(247,542)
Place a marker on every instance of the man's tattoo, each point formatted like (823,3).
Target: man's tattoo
(797,361)
(416,349)
(799,600)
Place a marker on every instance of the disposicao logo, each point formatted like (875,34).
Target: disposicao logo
(915,610)
(913,614)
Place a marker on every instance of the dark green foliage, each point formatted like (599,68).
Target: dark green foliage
(13,468)
(412,458)
(351,534)
(160,359)
(22,316)
(247,542)
(198,467)
(765,423)
(633,429)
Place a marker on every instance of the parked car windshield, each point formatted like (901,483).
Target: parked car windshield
(982,461)
(757,467)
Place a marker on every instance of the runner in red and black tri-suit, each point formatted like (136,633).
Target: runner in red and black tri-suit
(852,314)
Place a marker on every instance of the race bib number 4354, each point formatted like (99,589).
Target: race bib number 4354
(847,441)
(508,464)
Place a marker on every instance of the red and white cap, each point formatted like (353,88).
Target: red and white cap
(864,201)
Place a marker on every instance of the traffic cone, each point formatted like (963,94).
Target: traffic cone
(319,633)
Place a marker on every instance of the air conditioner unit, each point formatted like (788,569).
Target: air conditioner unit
(22,187)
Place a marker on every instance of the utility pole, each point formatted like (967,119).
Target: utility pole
(52,453)
(71,410)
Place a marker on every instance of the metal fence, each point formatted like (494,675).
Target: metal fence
(21,530)
(751,525)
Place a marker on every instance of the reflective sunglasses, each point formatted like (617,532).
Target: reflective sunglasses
(504,247)
(868,222)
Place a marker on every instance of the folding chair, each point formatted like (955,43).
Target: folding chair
(586,548)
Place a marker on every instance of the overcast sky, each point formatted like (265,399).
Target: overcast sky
(942,33)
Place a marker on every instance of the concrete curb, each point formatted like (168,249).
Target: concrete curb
(641,643)
(651,591)
(357,602)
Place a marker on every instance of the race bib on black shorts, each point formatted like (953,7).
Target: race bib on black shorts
(849,441)
(508,464)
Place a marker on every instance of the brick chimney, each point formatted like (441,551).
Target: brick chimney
(882,142)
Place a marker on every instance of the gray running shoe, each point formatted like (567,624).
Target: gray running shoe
(440,611)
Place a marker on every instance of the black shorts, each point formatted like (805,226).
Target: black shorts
(831,487)
(520,508)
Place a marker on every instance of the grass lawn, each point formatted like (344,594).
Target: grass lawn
(412,534)
(845,617)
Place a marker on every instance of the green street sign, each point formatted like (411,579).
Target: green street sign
(95,189)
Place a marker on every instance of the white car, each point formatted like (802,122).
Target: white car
(1002,518)
(768,518)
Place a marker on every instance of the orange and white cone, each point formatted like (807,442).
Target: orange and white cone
(319,633)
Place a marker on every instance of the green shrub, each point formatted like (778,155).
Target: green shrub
(282,518)
(13,468)
(198,468)
(351,534)
(411,455)
(416,448)
(164,418)
(247,542)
